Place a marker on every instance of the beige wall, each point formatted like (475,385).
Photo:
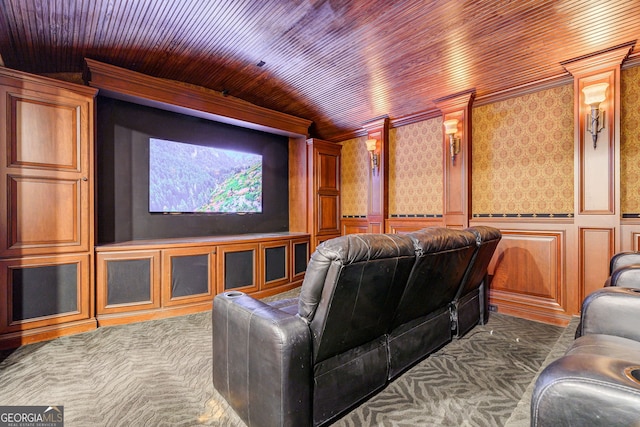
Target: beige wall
(523,154)
(630,141)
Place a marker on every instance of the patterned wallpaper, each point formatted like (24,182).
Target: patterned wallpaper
(630,142)
(522,158)
(415,169)
(354,177)
(523,155)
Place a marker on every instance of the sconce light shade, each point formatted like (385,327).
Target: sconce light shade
(450,126)
(371,144)
(595,94)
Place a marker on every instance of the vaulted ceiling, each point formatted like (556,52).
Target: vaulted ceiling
(338,63)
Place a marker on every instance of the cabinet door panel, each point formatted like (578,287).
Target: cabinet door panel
(188,275)
(44,134)
(238,268)
(43,291)
(47,190)
(127,281)
(43,213)
(275,265)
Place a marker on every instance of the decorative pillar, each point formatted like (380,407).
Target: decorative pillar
(596,164)
(456,139)
(378,199)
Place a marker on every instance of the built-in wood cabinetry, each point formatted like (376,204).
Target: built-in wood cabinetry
(54,281)
(46,220)
(323,204)
(141,280)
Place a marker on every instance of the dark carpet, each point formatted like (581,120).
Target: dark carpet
(158,373)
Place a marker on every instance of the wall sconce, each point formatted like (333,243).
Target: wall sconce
(372,145)
(450,128)
(593,96)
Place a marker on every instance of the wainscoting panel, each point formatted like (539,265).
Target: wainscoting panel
(407,225)
(630,235)
(529,271)
(355,225)
(527,263)
(597,246)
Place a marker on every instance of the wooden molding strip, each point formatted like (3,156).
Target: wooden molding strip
(38,79)
(197,101)
(525,89)
(599,60)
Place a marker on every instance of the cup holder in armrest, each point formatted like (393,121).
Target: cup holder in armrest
(637,290)
(633,373)
(233,294)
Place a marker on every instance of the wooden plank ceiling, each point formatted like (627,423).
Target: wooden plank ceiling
(339,63)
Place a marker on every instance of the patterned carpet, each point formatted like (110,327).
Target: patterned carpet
(158,373)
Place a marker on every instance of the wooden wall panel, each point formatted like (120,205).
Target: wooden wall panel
(31,225)
(44,134)
(529,263)
(407,225)
(630,235)
(529,271)
(597,246)
(354,226)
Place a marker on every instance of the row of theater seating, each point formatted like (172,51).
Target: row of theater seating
(370,306)
(597,381)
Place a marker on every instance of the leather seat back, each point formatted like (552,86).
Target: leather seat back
(487,239)
(442,259)
(351,290)
(623,259)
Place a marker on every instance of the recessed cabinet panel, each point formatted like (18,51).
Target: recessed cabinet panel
(188,275)
(300,259)
(328,221)
(276,264)
(238,268)
(44,134)
(42,291)
(328,173)
(127,281)
(44,212)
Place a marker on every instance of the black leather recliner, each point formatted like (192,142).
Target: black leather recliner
(370,306)
(597,381)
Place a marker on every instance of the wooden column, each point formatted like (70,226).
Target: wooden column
(378,200)
(596,170)
(457,168)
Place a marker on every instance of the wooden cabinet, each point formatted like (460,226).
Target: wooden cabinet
(141,280)
(323,204)
(128,280)
(46,220)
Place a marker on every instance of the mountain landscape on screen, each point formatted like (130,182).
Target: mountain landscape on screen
(189,178)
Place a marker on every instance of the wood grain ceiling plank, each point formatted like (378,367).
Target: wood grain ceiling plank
(330,61)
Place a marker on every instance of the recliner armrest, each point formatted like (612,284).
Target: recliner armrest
(611,311)
(262,361)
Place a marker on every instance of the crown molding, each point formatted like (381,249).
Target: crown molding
(197,101)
